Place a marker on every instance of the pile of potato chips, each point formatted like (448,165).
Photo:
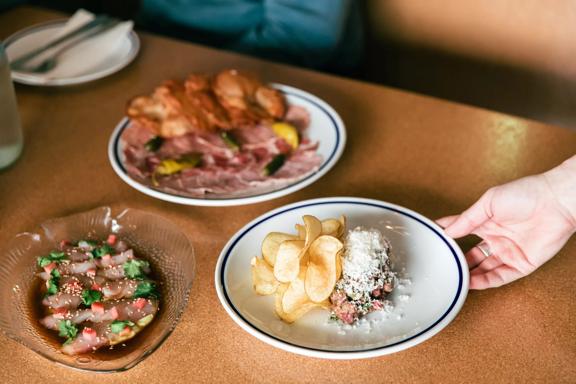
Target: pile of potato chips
(301,270)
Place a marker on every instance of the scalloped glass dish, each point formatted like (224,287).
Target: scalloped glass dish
(162,243)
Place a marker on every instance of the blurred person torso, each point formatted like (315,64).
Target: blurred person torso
(321,34)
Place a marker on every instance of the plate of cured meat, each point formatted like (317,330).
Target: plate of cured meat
(225,139)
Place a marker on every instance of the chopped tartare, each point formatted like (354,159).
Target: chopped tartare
(367,278)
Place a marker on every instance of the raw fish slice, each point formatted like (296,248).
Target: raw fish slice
(132,310)
(120,289)
(111,261)
(62,300)
(76,268)
(78,255)
(84,343)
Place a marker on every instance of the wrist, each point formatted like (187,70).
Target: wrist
(562,182)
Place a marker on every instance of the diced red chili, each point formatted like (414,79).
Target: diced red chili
(96,287)
(111,239)
(140,303)
(114,313)
(89,333)
(48,268)
(97,307)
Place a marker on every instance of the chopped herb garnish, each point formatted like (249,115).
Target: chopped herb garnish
(90,296)
(101,251)
(133,268)
(230,140)
(53,282)
(274,165)
(56,257)
(67,329)
(118,326)
(154,143)
(52,288)
(43,261)
(146,289)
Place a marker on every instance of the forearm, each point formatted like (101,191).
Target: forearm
(562,181)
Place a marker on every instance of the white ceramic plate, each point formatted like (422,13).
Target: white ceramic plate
(35,36)
(326,127)
(432,273)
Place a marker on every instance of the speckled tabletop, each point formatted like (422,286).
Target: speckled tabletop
(429,155)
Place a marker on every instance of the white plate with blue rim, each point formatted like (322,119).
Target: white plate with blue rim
(431,286)
(71,70)
(326,128)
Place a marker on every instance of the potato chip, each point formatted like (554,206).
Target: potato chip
(313,228)
(338,265)
(331,227)
(301,270)
(326,304)
(299,311)
(279,295)
(271,244)
(322,268)
(342,227)
(263,277)
(287,263)
(295,296)
(301,231)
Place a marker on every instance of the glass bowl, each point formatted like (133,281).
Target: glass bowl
(162,243)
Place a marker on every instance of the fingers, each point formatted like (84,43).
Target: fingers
(470,219)
(474,257)
(506,264)
(446,221)
(501,275)
(488,264)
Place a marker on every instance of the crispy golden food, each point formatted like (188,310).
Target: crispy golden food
(300,270)
(201,103)
(246,99)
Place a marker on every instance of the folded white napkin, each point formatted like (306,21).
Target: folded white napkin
(88,56)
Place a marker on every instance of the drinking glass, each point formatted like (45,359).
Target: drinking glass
(11,139)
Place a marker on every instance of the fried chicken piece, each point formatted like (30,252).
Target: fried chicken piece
(245,99)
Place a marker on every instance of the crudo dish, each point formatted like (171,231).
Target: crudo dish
(98,290)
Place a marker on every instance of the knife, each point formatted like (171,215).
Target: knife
(97,21)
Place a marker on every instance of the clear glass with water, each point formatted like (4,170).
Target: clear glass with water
(11,139)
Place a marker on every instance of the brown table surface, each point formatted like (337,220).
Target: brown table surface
(429,155)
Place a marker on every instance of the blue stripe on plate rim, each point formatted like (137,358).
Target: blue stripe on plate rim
(340,200)
(337,125)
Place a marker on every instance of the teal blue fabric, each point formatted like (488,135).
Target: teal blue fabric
(314,33)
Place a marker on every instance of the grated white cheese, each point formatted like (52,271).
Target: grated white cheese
(365,262)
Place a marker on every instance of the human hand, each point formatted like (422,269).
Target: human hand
(523,223)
